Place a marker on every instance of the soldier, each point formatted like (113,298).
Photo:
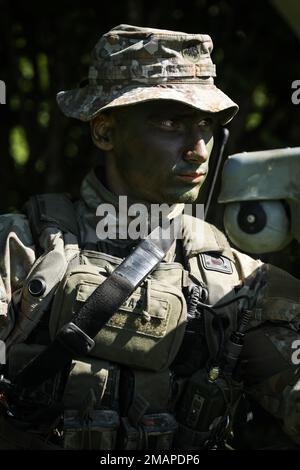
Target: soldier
(168,367)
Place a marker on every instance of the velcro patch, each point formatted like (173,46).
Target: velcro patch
(216,263)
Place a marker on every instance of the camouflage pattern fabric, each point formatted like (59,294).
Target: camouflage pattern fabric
(133,64)
(271,377)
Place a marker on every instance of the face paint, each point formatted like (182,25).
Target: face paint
(160,152)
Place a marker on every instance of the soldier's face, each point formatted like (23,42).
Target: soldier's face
(160,152)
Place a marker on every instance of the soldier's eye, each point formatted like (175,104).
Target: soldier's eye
(167,124)
(170,124)
(205,123)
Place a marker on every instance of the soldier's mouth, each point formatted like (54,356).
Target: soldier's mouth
(191,177)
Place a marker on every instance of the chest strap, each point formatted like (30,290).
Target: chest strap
(76,338)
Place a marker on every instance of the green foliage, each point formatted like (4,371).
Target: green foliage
(19,149)
(253,120)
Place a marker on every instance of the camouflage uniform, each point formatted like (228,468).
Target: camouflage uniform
(133,65)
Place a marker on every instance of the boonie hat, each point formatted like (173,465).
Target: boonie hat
(133,64)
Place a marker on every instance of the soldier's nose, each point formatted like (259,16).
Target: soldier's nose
(198,153)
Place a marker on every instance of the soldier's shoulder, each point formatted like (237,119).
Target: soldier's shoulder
(200,236)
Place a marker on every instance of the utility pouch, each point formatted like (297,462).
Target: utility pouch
(155,388)
(206,408)
(153,432)
(147,330)
(92,376)
(97,431)
(48,392)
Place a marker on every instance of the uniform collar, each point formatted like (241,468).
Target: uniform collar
(198,236)
(93,193)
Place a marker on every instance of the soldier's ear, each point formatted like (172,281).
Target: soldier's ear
(101,129)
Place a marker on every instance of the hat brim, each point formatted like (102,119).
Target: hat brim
(85,103)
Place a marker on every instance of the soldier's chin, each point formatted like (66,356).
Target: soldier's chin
(185,197)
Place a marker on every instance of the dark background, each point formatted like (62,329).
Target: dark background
(45,48)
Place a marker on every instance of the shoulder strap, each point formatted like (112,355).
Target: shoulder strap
(51,210)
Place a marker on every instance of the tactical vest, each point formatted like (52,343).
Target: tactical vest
(125,393)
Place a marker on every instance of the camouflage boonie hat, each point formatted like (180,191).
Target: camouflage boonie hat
(133,64)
